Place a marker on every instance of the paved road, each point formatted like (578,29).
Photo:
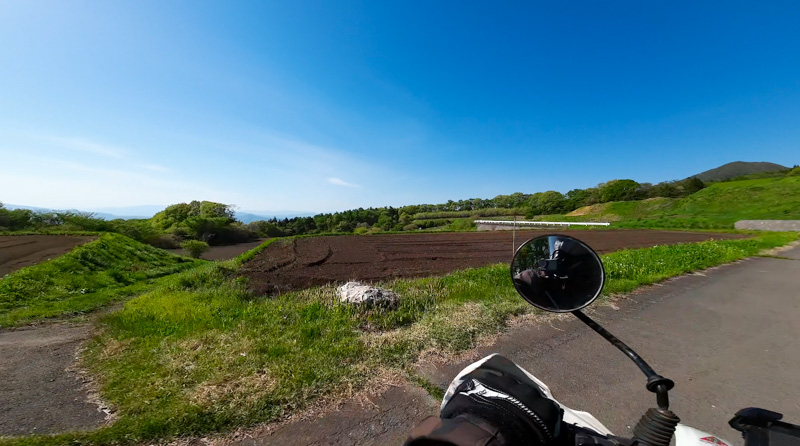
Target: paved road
(729,338)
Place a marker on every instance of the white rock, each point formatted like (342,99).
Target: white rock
(358,293)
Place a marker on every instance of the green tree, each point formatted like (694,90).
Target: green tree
(691,185)
(550,202)
(619,190)
(665,189)
(576,198)
(265,228)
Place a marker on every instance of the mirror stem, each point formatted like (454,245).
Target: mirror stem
(655,382)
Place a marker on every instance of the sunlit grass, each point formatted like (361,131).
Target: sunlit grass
(88,277)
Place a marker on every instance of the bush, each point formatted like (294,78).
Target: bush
(265,229)
(462,224)
(195,248)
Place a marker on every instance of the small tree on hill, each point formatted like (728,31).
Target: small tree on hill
(692,185)
(195,248)
(619,190)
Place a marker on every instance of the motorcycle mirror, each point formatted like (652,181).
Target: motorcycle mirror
(557,273)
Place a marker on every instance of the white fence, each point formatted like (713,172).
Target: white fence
(493,225)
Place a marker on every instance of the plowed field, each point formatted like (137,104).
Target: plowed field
(312,261)
(19,251)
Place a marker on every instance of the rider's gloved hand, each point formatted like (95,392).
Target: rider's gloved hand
(492,407)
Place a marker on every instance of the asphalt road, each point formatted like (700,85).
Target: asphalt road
(729,338)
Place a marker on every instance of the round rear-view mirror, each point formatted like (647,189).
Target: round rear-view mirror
(557,273)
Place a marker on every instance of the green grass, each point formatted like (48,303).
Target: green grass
(200,354)
(90,276)
(718,206)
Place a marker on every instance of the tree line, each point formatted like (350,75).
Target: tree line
(215,223)
(553,202)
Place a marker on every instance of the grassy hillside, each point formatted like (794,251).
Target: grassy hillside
(717,206)
(84,279)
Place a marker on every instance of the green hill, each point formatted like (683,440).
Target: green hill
(717,206)
(86,278)
(738,169)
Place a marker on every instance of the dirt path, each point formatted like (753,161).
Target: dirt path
(313,261)
(38,392)
(19,251)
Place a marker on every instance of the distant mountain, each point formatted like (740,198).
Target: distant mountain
(142,211)
(251,216)
(147,211)
(737,169)
(96,213)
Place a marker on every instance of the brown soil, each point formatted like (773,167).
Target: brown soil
(305,262)
(19,251)
(222,252)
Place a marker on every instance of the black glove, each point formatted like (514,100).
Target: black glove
(516,408)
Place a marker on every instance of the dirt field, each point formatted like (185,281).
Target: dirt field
(222,252)
(313,261)
(19,251)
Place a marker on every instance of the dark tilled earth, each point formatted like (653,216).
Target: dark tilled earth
(306,262)
(19,251)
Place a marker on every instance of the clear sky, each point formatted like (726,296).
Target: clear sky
(319,106)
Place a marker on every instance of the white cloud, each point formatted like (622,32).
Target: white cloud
(341,182)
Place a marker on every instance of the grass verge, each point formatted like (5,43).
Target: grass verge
(88,277)
(201,354)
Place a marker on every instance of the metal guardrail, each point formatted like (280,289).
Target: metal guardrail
(538,223)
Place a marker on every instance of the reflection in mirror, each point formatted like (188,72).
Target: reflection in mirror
(557,273)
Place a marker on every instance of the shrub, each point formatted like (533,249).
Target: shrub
(195,248)
(462,224)
(265,229)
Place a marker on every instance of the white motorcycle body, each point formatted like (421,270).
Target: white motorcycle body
(684,435)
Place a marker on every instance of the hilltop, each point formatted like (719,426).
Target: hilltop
(738,169)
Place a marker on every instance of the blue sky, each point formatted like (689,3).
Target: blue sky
(320,106)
